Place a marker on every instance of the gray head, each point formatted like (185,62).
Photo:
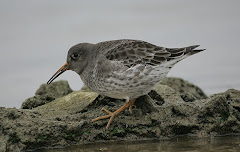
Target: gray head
(77,57)
(77,60)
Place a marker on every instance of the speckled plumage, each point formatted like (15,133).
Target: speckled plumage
(127,69)
(122,69)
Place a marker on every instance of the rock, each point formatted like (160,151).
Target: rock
(55,123)
(184,88)
(73,103)
(56,89)
(47,93)
(3,144)
(163,113)
(36,101)
(221,113)
(85,88)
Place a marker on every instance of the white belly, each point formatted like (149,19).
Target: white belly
(130,84)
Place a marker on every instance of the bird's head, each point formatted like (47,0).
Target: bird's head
(77,60)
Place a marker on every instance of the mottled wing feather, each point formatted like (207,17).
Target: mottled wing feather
(133,52)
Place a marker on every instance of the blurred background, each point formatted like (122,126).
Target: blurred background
(36,35)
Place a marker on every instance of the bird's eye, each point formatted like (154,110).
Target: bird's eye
(75,55)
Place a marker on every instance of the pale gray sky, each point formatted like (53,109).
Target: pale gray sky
(36,35)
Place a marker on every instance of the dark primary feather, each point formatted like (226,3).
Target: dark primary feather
(133,52)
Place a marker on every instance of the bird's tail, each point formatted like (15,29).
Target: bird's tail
(191,50)
(177,54)
(181,53)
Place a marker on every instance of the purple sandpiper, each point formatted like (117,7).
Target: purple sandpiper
(122,69)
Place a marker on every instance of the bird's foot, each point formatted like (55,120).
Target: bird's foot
(110,114)
(129,104)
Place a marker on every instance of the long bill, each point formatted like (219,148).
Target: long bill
(64,68)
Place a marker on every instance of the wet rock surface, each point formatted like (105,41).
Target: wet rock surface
(163,113)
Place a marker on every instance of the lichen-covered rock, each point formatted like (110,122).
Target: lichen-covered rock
(55,123)
(3,143)
(36,101)
(164,112)
(73,103)
(47,93)
(184,88)
(85,88)
(56,89)
(221,113)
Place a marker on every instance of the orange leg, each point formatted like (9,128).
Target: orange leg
(129,104)
(132,105)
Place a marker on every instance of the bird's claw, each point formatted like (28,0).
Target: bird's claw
(131,107)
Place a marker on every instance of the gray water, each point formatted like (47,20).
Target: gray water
(181,144)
